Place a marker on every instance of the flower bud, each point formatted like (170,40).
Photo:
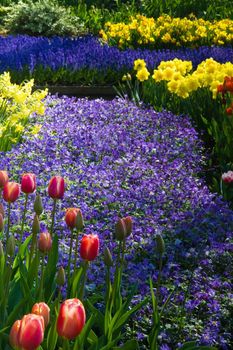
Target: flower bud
(45,242)
(38,207)
(14,335)
(35,225)
(229,111)
(107,257)
(79,224)
(10,246)
(28,183)
(2,211)
(70,217)
(61,277)
(160,244)
(1,223)
(11,192)
(120,230)
(227,178)
(71,318)
(31,332)
(42,309)
(56,187)
(3,178)
(89,247)
(129,225)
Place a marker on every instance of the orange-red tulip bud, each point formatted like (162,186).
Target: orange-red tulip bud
(14,335)
(31,332)
(45,242)
(129,225)
(42,309)
(71,216)
(3,178)
(229,111)
(11,192)
(89,247)
(28,183)
(56,187)
(71,318)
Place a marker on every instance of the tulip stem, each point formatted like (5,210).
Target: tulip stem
(53,216)
(23,219)
(82,290)
(8,221)
(159,278)
(32,247)
(108,285)
(66,345)
(42,278)
(70,252)
(76,251)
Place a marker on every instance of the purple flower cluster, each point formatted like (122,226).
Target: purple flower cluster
(74,54)
(119,159)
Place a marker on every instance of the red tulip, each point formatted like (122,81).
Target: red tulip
(14,335)
(31,332)
(73,218)
(56,187)
(11,192)
(71,318)
(45,242)
(28,183)
(229,111)
(89,247)
(42,309)
(3,178)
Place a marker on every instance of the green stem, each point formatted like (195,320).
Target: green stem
(108,285)
(42,278)
(33,245)
(66,345)
(70,253)
(53,217)
(76,252)
(82,290)
(159,278)
(8,221)
(23,219)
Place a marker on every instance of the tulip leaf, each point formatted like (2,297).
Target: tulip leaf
(52,336)
(75,282)
(92,337)
(14,314)
(51,268)
(24,246)
(81,339)
(99,315)
(33,270)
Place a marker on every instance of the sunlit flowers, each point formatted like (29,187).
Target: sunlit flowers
(71,318)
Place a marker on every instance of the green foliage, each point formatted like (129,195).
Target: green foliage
(44,18)
(208,9)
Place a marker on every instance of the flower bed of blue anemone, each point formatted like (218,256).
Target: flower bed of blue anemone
(119,159)
(85,60)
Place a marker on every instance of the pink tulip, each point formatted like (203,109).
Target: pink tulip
(56,187)
(28,183)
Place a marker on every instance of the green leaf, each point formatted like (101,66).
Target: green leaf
(52,336)
(75,282)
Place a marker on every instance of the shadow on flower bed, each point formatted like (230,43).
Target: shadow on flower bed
(118,159)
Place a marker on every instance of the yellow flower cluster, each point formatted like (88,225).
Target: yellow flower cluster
(167,31)
(17,103)
(209,74)
(142,72)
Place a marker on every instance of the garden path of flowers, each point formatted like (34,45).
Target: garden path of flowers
(119,159)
